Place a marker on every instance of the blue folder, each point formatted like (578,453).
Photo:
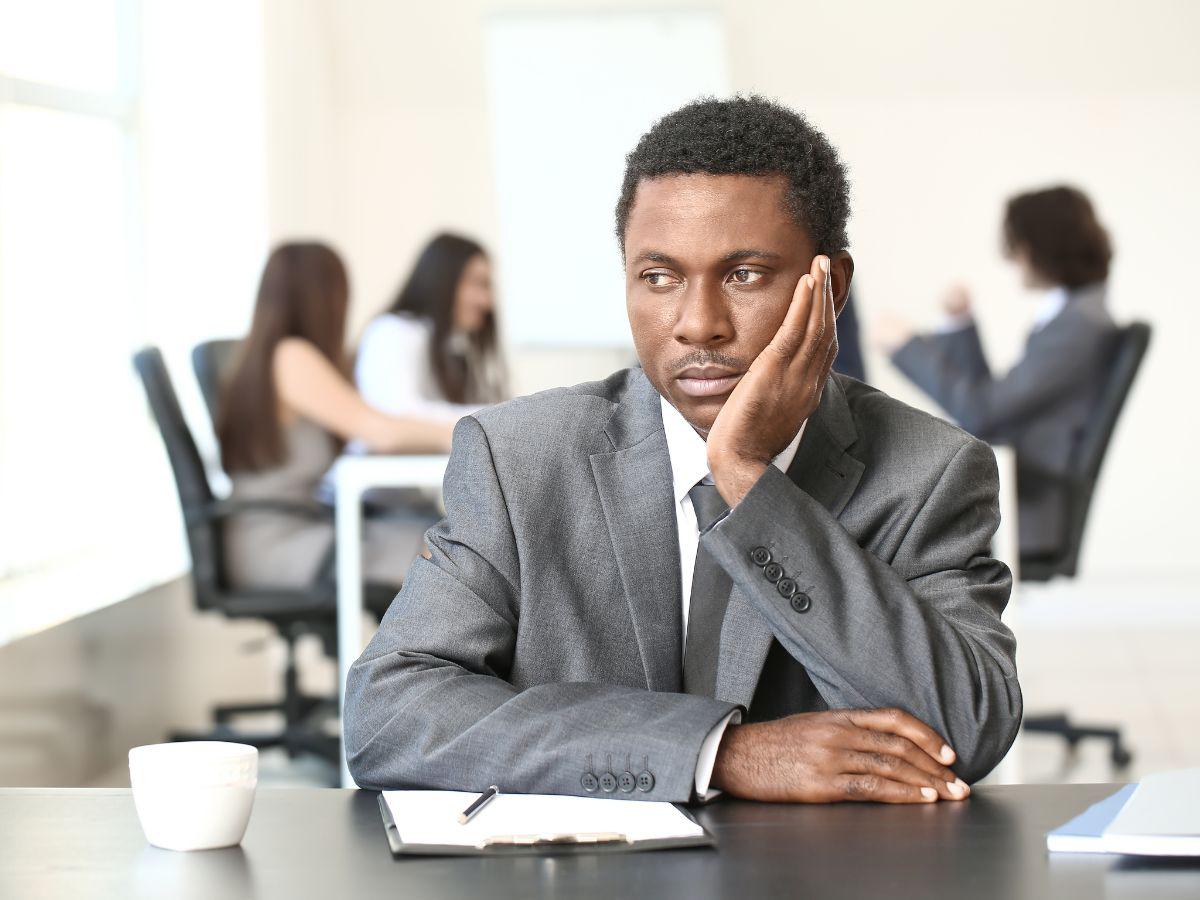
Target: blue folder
(1084,833)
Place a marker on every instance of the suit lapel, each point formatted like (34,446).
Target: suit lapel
(634,484)
(826,472)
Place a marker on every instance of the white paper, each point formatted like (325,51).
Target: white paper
(431,817)
(1162,818)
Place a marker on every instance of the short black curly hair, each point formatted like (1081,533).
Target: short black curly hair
(747,135)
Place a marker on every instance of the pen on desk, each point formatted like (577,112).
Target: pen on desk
(480,802)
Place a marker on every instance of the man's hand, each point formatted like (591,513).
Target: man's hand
(881,755)
(779,391)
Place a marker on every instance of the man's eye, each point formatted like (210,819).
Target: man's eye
(656,279)
(745,276)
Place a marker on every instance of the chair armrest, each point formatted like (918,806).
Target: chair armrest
(1066,479)
(224,509)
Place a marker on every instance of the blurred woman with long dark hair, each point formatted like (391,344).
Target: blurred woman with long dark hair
(283,415)
(435,352)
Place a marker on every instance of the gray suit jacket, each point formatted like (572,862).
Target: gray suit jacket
(540,642)
(1040,406)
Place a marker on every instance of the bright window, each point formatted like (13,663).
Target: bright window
(68,239)
(132,212)
(73,44)
(64,305)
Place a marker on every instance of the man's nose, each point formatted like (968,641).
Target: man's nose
(703,315)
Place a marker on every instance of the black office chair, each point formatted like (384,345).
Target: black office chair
(212,361)
(293,611)
(1079,485)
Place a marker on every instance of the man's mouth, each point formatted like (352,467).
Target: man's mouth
(708,381)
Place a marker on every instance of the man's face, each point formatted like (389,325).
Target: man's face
(711,263)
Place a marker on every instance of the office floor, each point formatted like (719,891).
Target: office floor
(1119,651)
(1123,651)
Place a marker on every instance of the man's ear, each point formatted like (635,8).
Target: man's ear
(841,269)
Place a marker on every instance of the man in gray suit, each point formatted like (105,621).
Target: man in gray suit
(1042,405)
(727,570)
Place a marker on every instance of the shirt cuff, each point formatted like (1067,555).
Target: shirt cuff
(708,755)
(956,322)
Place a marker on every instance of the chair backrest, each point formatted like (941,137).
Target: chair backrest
(212,362)
(195,494)
(1128,351)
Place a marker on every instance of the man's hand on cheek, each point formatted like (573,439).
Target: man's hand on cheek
(880,755)
(780,390)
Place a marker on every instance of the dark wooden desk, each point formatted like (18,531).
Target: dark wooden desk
(328,843)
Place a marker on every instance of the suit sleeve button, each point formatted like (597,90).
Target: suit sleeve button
(589,782)
(801,603)
(772,572)
(760,556)
(626,782)
(787,588)
(608,782)
(645,781)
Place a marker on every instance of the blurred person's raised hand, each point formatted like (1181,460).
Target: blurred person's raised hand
(889,331)
(956,301)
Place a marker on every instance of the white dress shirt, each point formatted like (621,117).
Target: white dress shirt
(394,373)
(689,465)
(1052,303)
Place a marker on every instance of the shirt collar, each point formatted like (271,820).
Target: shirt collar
(689,453)
(1049,306)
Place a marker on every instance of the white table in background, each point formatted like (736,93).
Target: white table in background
(353,477)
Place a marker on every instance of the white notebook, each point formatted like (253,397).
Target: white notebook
(1162,818)
(426,822)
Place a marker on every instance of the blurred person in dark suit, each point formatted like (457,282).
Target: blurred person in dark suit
(1041,406)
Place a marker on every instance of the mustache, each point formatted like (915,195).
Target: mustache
(708,358)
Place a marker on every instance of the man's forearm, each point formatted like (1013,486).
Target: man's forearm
(451,730)
(425,708)
(734,477)
(740,763)
(865,635)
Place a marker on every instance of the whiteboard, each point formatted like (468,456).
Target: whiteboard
(569,96)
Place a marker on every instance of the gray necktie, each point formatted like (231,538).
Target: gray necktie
(706,607)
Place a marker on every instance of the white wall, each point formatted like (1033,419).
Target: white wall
(570,94)
(379,134)
(203,179)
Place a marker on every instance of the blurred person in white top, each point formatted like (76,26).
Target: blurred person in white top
(435,353)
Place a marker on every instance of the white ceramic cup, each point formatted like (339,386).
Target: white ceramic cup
(194,795)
